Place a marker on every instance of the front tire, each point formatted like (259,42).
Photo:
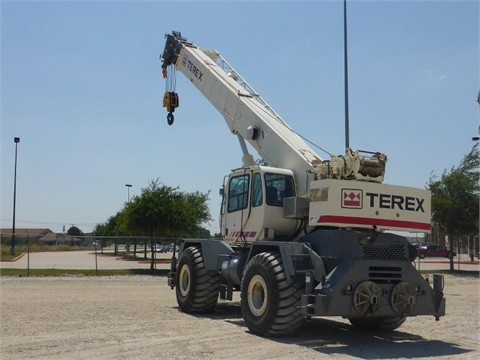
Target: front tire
(270,302)
(197,289)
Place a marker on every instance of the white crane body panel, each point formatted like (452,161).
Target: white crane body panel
(355,204)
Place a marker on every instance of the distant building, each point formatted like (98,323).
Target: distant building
(38,237)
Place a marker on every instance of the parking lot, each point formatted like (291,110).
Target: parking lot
(137,317)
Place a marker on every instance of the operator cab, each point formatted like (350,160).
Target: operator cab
(252,204)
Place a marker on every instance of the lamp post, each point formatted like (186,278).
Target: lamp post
(477,138)
(12,249)
(345,71)
(128,192)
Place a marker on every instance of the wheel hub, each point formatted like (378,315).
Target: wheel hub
(367,298)
(184,280)
(257,295)
(403,298)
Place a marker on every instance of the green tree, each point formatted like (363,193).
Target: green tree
(110,227)
(161,210)
(74,231)
(201,233)
(455,206)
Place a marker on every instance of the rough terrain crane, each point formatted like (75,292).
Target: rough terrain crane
(303,236)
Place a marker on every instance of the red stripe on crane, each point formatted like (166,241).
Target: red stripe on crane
(402,224)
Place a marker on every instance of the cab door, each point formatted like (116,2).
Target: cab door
(236,205)
(252,208)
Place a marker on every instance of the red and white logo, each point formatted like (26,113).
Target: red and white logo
(352,198)
(185,60)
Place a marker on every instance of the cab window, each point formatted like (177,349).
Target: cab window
(278,187)
(257,194)
(238,193)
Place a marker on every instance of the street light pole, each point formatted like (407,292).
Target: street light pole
(345,71)
(128,192)
(477,138)
(12,249)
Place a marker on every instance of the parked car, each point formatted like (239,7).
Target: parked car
(419,245)
(434,251)
(159,248)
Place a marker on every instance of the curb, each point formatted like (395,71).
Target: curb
(14,259)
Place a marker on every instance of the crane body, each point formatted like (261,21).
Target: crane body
(296,225)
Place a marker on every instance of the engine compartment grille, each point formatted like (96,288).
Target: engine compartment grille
(385,252)
(381,274)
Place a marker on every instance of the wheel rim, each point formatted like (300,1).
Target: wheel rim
(184,280)
(257,295)
(366,298)
(403,298)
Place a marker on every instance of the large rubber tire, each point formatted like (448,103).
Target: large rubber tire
(270,303)
(196,288)
(378,324)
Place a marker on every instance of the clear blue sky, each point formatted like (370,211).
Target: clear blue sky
(81,86)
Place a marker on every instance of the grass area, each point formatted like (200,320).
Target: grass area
(71,272)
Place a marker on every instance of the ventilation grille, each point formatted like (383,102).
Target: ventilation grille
(385,274)
(390,252)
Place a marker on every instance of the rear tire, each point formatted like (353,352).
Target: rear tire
(197,289)
(270,303)
(378,324)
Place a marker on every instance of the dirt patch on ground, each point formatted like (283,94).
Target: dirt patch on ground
(137,317)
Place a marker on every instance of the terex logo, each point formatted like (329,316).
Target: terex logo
(194,70)
(387,201)
(352,199)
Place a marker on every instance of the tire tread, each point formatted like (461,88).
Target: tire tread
(205,285)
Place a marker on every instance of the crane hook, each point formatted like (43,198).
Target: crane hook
(170,118)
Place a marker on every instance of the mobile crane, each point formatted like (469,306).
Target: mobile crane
(303,236)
